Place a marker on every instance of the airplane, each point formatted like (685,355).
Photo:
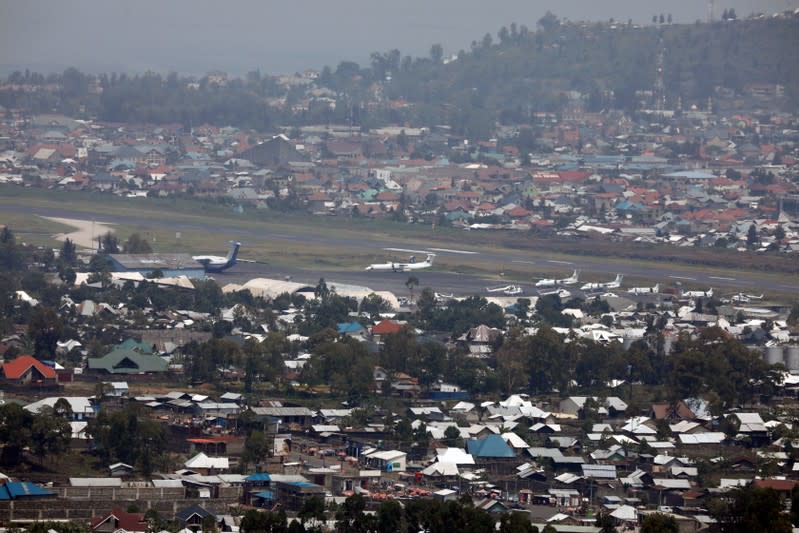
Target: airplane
(403,267)
(645,290)
(615,284)
(571,280)
(215,263)
(698,294)
(508,290)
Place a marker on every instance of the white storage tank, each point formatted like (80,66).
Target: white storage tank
(792,358)
(774,355)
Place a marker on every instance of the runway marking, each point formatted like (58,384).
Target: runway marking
(683,277)
(560,262)
(405,250)
(525,262)
(723,279)
(464,252)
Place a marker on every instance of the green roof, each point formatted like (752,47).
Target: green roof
(133,344)
(121,361)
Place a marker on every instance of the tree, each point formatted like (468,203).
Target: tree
(45,329)
(751,510)
(50,434)
(752,236)
(68,254)
(412,282)
(15,432)
(659,523)
(136,244)
(516,523)
(109,244)
(351,518)
(256,448)
(548,22)
(313,508)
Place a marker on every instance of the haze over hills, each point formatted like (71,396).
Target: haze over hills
(197,36)
(505,76)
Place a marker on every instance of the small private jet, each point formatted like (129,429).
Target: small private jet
(546,283)
(698,294)
(615,284)
(216,263)
(411,265)
(507,290)
(644,290)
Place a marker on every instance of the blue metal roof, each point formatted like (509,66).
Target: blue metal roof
(491,446)
(259,476)
(20,489)
(266,495)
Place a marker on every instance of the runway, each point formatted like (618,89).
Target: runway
(593,269)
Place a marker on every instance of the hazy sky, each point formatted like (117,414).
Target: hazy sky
(195,36)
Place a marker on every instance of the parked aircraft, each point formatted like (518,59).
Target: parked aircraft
(508,290)
(698,294)
(615,284)
(645,290)
(216,263)
(571,280)
(403,267)
(742,298)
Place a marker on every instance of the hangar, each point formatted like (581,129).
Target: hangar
(272,288)
(170,265)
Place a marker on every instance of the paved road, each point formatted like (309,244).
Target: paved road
(460,284)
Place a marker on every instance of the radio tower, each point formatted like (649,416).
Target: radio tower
(659,90)
(710,8)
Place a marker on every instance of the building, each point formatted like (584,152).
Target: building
(169,265)
(28,371)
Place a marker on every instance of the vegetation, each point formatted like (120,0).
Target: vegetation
(606,62)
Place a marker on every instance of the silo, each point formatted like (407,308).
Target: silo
(774,355)
(792,358)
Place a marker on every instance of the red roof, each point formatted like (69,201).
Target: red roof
(780,485)
(385,327)
(131,522)
(19,366)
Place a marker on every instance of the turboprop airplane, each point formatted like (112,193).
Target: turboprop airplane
(508,290)
(645,290)
(215,263)
(403,267)
(571,280)
(615,284)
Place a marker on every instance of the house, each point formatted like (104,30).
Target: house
(80,406)
(14,490)
(491,447)
(120,469)
(206,465)
(192,517)
(386,461)
(122,361)
(27,371)
(118,520)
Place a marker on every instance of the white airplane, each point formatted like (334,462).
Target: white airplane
(571,280)
(615,284)
(216,263)
(508,290)
(403,267)
(698,294)
(645,290)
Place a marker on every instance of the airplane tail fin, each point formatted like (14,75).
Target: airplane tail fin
(619,277)
(234,251)
(656,288)
(430,258)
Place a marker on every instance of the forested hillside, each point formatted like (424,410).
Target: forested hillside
(503,77)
